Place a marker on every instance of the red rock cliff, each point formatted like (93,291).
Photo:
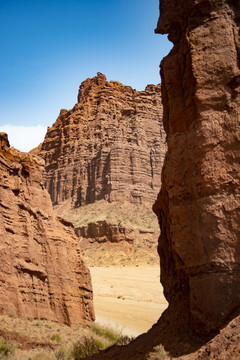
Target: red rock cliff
(199,203)
(111,145)
(42,273)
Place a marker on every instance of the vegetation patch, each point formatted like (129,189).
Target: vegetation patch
(61,342)
(84,348)
(6,349)
(104,331)
(159,353)
(56,338)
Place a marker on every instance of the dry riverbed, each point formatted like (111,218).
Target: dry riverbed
(129,298)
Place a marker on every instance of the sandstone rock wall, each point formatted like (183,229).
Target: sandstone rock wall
(42,273)
(111,146)
(199,203)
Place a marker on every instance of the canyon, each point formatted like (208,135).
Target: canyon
(110,148)
(199,202)
(42,271)
(198,206)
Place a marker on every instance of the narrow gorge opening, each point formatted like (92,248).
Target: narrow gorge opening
(119,244)
(118,176)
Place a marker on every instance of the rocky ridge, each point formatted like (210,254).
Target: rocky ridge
(110,146)
(42,272)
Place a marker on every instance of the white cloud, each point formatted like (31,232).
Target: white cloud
(24,138)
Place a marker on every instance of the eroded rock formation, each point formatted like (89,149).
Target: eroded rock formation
(106,243)
(102,231)
(199,203)
(42,273)
(111,146)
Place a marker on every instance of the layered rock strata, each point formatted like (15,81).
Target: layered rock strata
(102,231)
(106,243)
(199,203)
(116,233)
(42,273)
(111,146)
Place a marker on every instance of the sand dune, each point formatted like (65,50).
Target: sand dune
(130,298)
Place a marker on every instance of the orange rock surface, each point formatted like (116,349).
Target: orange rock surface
(42,273)
(111,146)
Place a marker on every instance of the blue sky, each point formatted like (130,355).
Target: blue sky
(48,47)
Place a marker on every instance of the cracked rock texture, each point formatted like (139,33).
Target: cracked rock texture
(199,203)
(42,273)
(110,146)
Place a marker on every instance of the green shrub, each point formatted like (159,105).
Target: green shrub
(56,338)
(101,345)
(85,347)
(106,332)
(12,314)
(5,349)
(124,340)
(38,322)
(61,354)
(159,354)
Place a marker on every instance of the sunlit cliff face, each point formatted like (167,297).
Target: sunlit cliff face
(110,146)
(43,274)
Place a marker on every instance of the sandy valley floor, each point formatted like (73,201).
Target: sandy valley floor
(129,298)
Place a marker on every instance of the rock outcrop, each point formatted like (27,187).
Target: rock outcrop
(4,140)
(42,273)
(199,203)
(102,231)
(111,146)
(107,243)
(115,233)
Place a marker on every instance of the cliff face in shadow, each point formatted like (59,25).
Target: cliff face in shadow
(199,203)
(42,272)
(110,146)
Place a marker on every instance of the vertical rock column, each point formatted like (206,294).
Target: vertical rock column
(199,202)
